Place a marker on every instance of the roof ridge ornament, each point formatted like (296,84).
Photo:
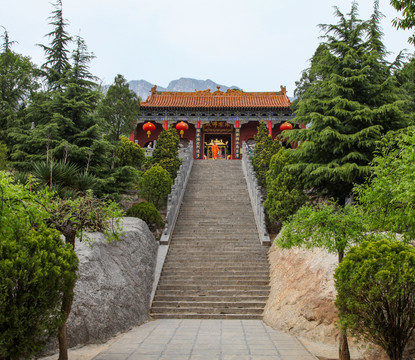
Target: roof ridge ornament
(283,90)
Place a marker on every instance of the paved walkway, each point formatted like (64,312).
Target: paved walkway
(178,339)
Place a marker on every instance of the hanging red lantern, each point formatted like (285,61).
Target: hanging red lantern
(286,126)
(149,127)
(182,127)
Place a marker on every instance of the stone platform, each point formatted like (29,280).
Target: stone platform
(197,339)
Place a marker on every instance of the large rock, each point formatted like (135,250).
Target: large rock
(301,301)
(112,293)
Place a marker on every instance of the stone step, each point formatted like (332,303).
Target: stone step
(208,299)
(205,310)
(217,293)
(213,282)
(207,316)
(237,303)
(189,288)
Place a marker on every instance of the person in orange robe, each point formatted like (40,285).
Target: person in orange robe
(215,150)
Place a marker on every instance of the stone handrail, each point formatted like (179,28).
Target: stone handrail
(177,191)
(255,194)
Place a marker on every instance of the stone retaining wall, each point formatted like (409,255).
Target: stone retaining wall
(113,290)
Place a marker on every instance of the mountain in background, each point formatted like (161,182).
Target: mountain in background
(142,87)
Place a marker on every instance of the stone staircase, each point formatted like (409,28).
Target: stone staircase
(216,267)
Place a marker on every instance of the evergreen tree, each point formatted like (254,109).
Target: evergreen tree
(166,152)
(352,99)
(61,123)
(408,21)
(18,81)
(265,148)
(119,110)
(284,197)
(57,53)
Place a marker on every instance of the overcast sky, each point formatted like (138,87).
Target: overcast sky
(256,45)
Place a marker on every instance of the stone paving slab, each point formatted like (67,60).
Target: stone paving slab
(197,339)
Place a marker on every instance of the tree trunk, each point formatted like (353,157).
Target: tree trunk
(344,353)
(65,310)
(67,299)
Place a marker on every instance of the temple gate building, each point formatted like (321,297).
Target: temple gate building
(226,118)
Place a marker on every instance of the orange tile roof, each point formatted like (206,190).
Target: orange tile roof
(217,99)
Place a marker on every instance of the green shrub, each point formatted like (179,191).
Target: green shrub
(171,165)
(375,285)
(155,185)
(36,267)
(284,195)
(130,154)
(265,148)
(148,213)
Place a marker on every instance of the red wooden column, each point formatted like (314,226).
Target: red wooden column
(270,128)
(132,136)
(236,154)
(198,146)
(166,125)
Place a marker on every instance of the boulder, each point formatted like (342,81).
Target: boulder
(301,302)
(112,293)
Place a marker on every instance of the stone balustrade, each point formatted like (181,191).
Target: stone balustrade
(255,194)
(177,191)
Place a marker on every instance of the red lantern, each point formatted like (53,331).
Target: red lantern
(149,127)
(182,127)
(286,126)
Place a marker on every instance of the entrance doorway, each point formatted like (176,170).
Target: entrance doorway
(224,142)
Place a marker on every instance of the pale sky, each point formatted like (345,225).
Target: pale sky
(256,45)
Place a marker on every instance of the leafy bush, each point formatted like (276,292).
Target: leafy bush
(130,154)
(265,148)
(376,294)
(36,268)
(284,197)
(155,185)
(148,213)
(171,165)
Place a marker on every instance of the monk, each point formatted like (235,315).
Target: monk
(215,150)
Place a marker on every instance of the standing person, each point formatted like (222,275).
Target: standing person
(215,150)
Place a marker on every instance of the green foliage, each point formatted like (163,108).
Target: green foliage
(326,226)
(17,83)
(171,165)
(3,157)
(348,99)
(119,110)
(265,148)
(57,53)
(148,213)
(155,185)
(130,154)
(376,294)
(166,152)
(284,197)
(388,197)
(167,145)
(64,178)
(407,7)
(114,182)
(36,267)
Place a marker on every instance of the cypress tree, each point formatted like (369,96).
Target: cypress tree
(350,101)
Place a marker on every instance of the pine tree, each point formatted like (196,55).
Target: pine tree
(352,99)
(119,110)
(57,53)
(265,148)
(18,81)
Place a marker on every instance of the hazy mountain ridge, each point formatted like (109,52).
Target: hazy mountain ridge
(142,87)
